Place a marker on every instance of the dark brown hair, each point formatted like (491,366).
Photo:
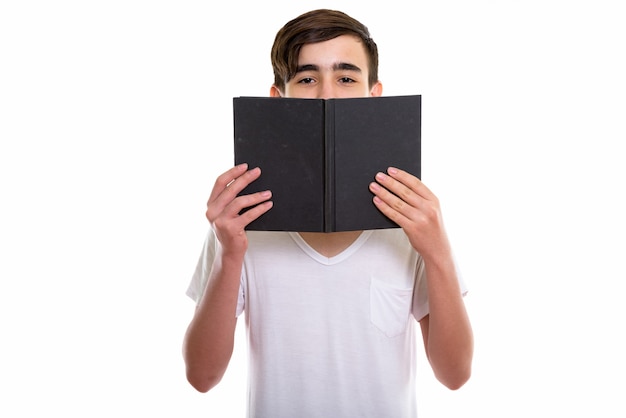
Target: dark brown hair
(317,26)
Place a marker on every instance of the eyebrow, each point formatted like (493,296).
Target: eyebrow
(338,66)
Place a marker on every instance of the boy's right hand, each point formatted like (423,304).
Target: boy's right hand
(224,207)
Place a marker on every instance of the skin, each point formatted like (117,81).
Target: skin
(332,69)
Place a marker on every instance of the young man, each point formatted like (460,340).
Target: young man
(330,316)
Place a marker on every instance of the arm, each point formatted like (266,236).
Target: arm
(208,343)
(447,333)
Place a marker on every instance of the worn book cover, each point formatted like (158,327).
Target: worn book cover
(318,157)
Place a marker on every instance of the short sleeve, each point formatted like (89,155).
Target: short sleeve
(420,306)
(200,277)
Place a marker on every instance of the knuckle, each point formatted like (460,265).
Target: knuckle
(223,179)
(210,214)
(431,212)
(405,194)
(398,204)
(423,221)
(219,224)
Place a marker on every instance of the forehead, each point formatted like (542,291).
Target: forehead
(326,54)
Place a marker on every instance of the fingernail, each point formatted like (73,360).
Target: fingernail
(392,170)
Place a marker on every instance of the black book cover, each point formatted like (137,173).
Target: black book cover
(318,157)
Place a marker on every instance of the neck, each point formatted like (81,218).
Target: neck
(330,244)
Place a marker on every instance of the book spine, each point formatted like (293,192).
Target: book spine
(329,166)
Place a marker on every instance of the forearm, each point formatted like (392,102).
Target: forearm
(449,339)
(209,340)
(447,333)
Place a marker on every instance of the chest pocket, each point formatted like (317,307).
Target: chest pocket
(390,307)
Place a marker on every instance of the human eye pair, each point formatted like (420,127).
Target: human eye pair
(309,80)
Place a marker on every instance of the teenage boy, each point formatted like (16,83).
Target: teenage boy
(330,317)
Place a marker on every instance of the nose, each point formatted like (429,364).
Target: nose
(326,90)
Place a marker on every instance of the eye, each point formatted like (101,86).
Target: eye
(346,80)
(306,80)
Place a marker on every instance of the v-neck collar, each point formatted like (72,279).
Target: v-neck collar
(351,249)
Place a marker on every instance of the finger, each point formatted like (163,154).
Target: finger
(232,208)
(240,203)
(390,205)
(254,212)
(410,181)
(222,182)
(223,194)
(257,203)
(238,184)
(399,191)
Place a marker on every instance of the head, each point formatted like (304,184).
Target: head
(321,37)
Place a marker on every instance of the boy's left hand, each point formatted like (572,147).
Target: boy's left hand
(404,199)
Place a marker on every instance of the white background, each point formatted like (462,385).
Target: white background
(115,119)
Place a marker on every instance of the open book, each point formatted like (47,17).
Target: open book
(318,157)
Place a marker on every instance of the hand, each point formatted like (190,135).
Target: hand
(404,199)
(224,207)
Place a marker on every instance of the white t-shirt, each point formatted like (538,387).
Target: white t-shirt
(328,337)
